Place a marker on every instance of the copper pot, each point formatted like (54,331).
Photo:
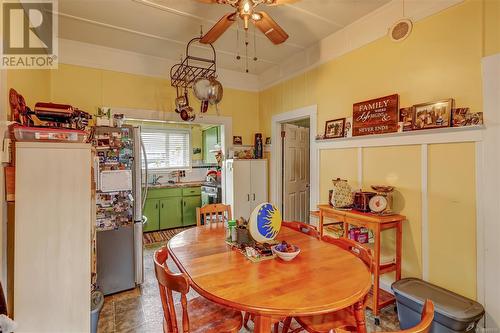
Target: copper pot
(362,200)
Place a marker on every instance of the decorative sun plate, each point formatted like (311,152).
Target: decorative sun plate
(265,222)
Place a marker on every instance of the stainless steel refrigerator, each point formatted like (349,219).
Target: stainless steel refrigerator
(119,220)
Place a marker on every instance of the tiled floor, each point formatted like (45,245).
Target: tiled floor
(139,310)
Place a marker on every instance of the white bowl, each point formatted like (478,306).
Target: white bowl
(286,256)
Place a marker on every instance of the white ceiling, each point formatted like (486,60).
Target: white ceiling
(162,28)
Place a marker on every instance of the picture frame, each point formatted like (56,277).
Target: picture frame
(334,128)
(348,127)
(237,140)
(459,117)
(268,140)
(406,117)
(433,114)
(376,116)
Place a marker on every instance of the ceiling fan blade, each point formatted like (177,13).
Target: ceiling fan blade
(218,29)
(281,2)
(271,29)
(208,1)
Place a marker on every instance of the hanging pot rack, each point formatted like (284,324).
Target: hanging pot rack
(184,74)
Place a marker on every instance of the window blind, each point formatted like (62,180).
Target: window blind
(166,148)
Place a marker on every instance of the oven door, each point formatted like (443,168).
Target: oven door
(209,196)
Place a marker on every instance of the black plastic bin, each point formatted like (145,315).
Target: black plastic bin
(453,313)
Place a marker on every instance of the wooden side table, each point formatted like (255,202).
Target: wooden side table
(377,223)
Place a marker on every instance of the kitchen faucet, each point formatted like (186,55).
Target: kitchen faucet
(156,179)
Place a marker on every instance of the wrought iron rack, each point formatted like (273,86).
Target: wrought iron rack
(184,74)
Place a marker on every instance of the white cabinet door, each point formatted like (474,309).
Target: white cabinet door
(259,182)
(241,190)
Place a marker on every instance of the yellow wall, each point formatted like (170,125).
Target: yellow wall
(452,216)
(491,27)
(89,88)
(400,167)
(440,59)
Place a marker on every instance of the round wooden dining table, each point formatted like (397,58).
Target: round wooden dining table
(321,279)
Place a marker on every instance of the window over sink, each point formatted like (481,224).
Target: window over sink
(166,148)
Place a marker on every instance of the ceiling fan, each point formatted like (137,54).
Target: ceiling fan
(245,9)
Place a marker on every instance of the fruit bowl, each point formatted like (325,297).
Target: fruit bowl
(286,251)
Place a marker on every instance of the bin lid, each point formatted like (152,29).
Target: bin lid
(446,302)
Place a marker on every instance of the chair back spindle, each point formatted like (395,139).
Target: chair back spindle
(213,213)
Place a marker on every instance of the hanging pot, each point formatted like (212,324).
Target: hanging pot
(204,106)
(201,88)
(215,92)
(187,114)
(181,102)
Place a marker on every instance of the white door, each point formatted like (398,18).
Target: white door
(296,178)
(242,190)
(258,177)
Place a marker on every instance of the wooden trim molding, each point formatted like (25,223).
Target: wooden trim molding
(443,135)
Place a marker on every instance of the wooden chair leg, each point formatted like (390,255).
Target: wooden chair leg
(286,324)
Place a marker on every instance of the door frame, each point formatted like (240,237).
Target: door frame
(276,187)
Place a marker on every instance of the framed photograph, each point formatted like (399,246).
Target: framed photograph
(459,117)
(268,140)
(406,116)
(237,140)
(433,115)
(348,127)
(334,128)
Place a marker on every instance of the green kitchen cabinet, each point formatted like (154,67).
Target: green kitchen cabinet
(210,137)
(189,206)
(168,208)
(171,212)
(152,213)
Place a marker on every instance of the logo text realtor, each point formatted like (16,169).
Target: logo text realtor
(29,34)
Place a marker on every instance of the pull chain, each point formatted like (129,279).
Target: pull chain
(238,57)
(246,50)
(254,44)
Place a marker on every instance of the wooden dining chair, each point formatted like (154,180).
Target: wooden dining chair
(426,319)
(213,213)
(424,326)
(197,315)
(302,227)
(343,319)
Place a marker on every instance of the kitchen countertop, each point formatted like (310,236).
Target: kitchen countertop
(177,185)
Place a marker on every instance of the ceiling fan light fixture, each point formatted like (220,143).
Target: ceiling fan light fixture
(246,8)
(256,17)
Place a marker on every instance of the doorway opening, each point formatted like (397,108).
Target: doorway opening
(295,169)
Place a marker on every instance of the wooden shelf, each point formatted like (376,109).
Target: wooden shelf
(430,136)
(384,298)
